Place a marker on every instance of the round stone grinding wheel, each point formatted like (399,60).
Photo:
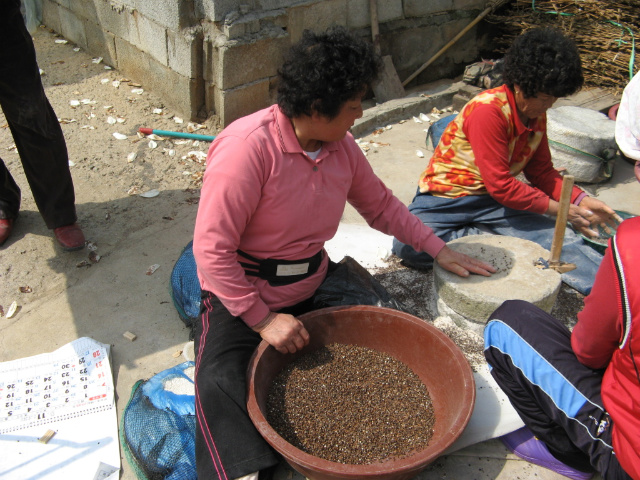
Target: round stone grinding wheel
(518,277)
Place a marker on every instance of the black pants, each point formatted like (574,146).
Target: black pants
(556,396)
(228,446)
(34,126)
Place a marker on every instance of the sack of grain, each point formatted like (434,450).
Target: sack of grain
(582,141)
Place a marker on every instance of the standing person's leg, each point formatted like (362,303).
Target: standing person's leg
(33,123)
(9,202)
(557,397)
(228,445)
(9,194)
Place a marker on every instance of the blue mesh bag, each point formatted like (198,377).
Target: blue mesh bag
(158,426)
(185,286)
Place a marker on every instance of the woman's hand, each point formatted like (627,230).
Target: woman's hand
(462,264)
(592,213)
(284,332)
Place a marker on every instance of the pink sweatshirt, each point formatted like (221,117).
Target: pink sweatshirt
(264,195)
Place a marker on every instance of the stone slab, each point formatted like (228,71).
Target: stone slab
(474,298)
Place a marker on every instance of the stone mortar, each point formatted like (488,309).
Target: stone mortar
(517,277)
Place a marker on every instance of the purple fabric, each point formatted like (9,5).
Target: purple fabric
(526,446)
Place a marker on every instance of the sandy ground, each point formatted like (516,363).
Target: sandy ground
(70,296)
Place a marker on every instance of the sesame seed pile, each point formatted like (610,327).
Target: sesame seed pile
(352,405)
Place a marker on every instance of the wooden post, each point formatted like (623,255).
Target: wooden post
(561,219)
(388,85)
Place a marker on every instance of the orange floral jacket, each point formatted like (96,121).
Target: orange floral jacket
(485,147)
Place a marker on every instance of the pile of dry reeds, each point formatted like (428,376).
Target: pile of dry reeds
(604,31)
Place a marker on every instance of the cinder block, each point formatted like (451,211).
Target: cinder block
(238,102)
(151,37)
(424,42)
(82,8)
(215,11)
(359,16)
(179,92)
(101,43)
(114,19)
(316,17)
(72,27)
(131,4)
(254,22)
(273,4)
(458,102)
(466,48)
(273,90)
(468,91)
(172,14)
(241,63)
(469,5)
(184,50)
(51,15)
(422,8)
(63,3)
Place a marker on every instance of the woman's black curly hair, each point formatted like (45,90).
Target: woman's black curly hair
(323,71)
(543,60)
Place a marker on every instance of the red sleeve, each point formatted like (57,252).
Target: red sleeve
(597,334)
(486,130)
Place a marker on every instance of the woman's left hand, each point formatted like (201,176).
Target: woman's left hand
(462,264)
(599,214)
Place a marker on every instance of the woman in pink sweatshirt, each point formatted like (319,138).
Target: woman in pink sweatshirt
(275,188)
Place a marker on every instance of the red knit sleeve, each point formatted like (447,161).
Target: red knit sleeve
(486,128)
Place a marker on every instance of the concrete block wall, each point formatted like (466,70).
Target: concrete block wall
(220,57)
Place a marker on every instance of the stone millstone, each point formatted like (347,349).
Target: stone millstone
(476,297)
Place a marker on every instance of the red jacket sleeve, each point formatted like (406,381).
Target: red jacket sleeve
(486,129)
(597,334)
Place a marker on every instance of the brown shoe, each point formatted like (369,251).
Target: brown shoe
(70,237)
(6,226)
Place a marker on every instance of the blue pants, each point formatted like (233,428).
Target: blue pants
(558,398)
(452,218)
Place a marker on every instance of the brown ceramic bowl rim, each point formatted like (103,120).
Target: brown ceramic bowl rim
(415,462)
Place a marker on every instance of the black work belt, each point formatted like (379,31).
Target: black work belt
(281,272)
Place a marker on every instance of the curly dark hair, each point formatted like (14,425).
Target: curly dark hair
(323,71)
(543,60)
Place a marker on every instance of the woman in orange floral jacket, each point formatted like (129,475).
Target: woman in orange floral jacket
(470,185)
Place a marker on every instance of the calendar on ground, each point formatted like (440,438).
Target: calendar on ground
(73,381)
(67,396)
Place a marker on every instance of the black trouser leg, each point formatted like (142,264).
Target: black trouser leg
(34,126)
(227,444)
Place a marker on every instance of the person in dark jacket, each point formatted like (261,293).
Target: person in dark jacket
(37,135)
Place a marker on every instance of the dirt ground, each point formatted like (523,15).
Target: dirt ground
(86,97)
(104,291)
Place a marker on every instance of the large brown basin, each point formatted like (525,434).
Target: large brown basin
(438,362)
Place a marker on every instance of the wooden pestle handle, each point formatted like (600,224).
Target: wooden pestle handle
(561,219)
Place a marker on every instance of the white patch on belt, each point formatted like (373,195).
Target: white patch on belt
(295,269)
